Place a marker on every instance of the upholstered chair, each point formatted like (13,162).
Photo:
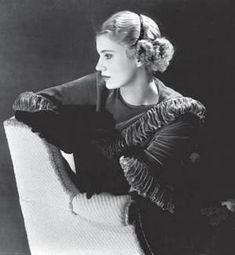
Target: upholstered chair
(58,219)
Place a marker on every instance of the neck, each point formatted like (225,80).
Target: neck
(140,91)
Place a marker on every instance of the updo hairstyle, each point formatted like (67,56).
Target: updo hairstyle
(142,34)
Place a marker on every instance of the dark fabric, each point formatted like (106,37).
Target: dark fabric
(187,231)
(120,109)
(71,127)
(157,171)
(83,91)
(163,134)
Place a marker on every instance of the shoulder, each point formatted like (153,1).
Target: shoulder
(164,91)
(177,110)
(175,107)
(88,81)
(79,91)
(173,104)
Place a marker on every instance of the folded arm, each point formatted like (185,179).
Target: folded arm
(144,170)
(64,114)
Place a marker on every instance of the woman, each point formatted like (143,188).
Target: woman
(130,134)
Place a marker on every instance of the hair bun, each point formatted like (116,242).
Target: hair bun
(163,46)
(155,55)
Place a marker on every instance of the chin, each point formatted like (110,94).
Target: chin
(111,85)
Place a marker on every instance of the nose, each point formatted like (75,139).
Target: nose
(100,66)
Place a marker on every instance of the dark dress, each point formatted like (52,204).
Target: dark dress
(82,117)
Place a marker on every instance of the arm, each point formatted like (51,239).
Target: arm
(56,113)
(78,92)
(144,170)
(151,142)
(82,91)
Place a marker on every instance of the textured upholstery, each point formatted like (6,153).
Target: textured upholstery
(59,220)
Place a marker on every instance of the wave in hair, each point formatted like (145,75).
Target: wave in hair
(155,55)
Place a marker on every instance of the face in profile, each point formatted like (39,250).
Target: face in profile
(117,68)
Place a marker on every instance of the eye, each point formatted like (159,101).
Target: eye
(108,56)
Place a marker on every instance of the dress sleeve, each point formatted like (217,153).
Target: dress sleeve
(144,170)
(60,113)
(82,91)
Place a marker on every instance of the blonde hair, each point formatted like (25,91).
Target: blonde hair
(141,33)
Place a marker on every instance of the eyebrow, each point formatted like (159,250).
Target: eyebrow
(103,51)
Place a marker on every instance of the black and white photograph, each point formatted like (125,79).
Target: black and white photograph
(117,129)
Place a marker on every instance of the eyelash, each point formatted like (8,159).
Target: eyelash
(108,56)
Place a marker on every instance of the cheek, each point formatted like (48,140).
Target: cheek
(130,70)
(127,68)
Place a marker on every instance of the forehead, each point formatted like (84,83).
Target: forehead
(105,43)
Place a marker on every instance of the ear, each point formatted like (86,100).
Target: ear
(138,63)
(131,54)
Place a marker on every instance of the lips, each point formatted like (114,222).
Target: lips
(105,76)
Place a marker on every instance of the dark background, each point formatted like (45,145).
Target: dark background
(48,42)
